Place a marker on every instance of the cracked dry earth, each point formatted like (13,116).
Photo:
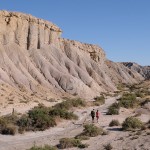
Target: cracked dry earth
(119,140)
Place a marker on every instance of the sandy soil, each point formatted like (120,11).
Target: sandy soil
(118,139)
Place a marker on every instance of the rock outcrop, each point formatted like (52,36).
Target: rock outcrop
(33,54)
(26,31)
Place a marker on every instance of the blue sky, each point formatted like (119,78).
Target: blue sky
(120,27)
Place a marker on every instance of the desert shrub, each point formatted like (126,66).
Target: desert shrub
(69,142)
(82,137)
(24,121)
(132,123)
(40,118)
(62,113)
(9,129)
(114,123)
(46,147)
(128,100)
(108,147)
(3,123)
(69,103)
(113,109)
(25,124)
(132,87)
(78,102)
(121,86)
(63,105)
(11,118)
(130,96)
(91,130)
(7,125)
(99,100)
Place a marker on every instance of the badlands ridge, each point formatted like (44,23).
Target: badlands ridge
(34,58)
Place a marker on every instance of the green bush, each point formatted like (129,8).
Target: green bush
(128,96)
(114,123)
(41,119)
(69,103)
(99,100)
(91,130)
(113,109)
(78,102)
(69,143)
(128,100)
(132,123)
(121,86)
(63,105)
(11,118)
(62,113)
(46,147)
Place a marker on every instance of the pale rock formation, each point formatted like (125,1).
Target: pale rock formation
(32,54)
(26,31)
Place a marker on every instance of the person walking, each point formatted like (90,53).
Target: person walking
(97,115)
(93,115)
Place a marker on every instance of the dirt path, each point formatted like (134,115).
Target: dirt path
(69,129)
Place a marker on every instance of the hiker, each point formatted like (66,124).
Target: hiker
(97,115)
(93,115)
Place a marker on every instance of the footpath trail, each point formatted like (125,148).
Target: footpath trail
(64,129)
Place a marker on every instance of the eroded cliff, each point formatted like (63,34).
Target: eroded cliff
(33,54)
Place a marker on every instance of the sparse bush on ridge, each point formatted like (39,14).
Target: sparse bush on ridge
(114,123)
(131,123)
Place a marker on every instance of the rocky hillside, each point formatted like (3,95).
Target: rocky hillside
(143,70)
(33,56)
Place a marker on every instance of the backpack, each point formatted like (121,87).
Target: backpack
(92,113)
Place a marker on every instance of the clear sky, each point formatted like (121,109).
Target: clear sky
(120,27)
